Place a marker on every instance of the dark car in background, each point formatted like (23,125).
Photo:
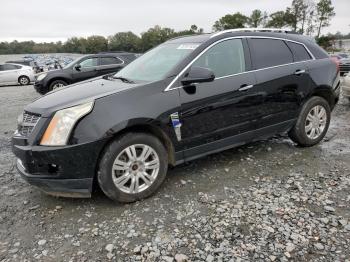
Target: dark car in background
(83,68)
(344,65)
(187,98)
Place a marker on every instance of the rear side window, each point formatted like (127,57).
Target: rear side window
(269,52)
(110,61)
(6,67)
(299,51)
(224,59)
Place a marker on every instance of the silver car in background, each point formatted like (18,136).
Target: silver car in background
(346,86)
(13,74)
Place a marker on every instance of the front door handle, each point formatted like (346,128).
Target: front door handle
(299,72)
(245,87)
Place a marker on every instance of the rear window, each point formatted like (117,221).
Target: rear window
(269,52)
(299,51)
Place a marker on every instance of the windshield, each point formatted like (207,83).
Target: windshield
(157,63)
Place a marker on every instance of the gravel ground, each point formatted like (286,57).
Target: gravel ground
(266,201)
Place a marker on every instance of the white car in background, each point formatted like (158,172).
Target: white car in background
(346,86)
(13,74)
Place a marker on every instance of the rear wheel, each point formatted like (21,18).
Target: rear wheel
(23,80)
(132,167)
(312,123)
(57,84)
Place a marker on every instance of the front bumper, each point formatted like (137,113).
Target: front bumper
(40,87)
(66,171)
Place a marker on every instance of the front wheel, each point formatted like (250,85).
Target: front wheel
(312,123)
(57,84)
(23,80)
(132,167)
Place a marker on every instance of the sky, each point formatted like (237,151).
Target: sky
(45,20)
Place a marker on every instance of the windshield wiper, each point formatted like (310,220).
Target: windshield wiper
(125,80)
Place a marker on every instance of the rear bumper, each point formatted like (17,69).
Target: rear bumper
(61,171)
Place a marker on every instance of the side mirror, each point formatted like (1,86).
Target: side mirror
(77,67)
(198,75)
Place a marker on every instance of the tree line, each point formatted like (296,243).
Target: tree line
(304,16)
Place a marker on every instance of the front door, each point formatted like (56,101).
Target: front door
(88,69)
(213,113)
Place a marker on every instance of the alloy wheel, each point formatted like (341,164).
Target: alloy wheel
(58,85)
(23,81)
(135,168)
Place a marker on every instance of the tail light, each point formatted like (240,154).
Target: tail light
(337,63)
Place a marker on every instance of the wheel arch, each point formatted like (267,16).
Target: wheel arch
(141,128)
(326,93)
(58,78)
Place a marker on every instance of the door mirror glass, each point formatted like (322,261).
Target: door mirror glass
(77,67)
(198,75)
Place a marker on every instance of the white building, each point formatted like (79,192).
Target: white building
(343,44)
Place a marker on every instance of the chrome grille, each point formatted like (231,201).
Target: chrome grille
(29,121)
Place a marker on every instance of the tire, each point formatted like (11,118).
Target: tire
(57,84)
(24,80)
(108,176)
(301,133)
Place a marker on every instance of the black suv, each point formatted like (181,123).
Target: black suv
(184,99)
(83,68)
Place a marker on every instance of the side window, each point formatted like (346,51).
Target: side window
(110,61)
(225,58)
(90,62)
(6,67)
(299,51)
(269,52)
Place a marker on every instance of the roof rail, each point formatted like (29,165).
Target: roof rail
(275,30)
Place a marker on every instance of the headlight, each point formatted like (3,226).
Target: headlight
(41,77)
(61,125)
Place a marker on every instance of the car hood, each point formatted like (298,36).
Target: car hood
(76,94)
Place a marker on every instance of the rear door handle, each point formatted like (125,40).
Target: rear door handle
(245,87)
(299,72)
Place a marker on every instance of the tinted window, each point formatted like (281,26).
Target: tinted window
(299,51)
(225,58)
(90,62)
(269,52)
(6,67)
(110,61)
(129,57)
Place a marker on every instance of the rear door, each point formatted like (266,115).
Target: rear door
(213,113)
(280,78)
(9,73)
(110,64)
(88,69)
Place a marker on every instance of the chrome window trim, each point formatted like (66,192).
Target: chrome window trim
(122,63)
(169,87)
